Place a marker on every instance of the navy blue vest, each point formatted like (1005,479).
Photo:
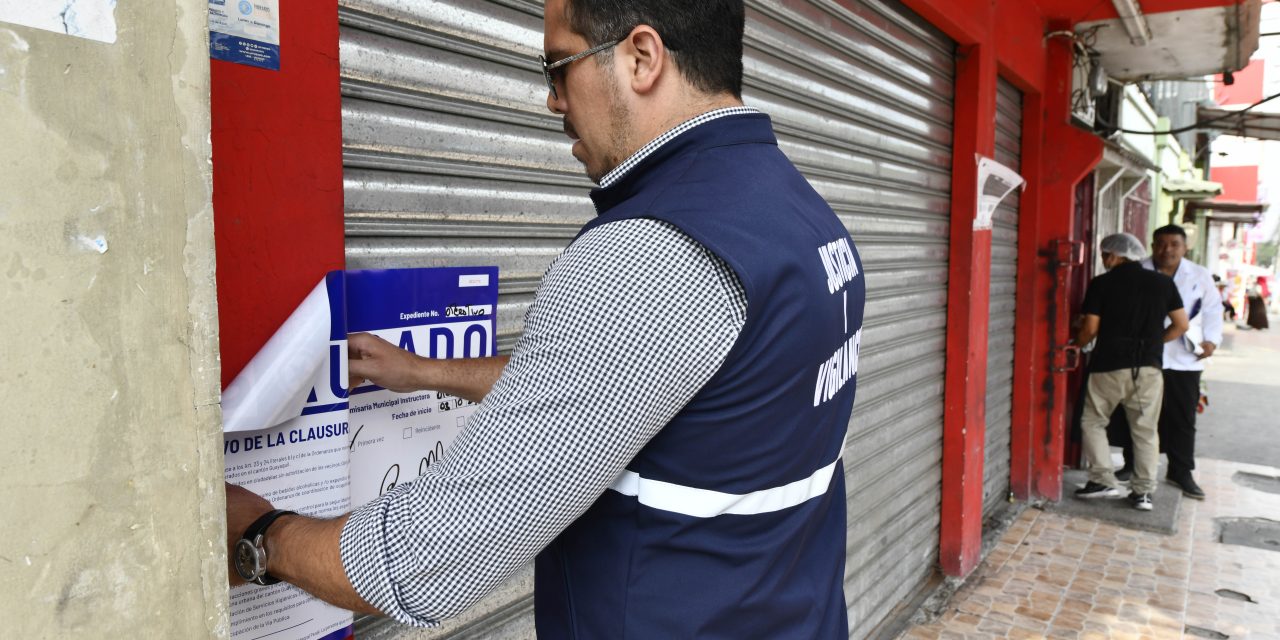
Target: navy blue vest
(670,552)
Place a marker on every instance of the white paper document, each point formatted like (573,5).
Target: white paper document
(995,183)
(286,439)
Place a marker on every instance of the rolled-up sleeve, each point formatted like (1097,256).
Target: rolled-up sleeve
(627,326)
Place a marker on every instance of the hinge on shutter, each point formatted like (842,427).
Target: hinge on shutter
(1068,253)
(1066,358)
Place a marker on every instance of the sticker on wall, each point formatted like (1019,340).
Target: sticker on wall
(89,19)
(245,32)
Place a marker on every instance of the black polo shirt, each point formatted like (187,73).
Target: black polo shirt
(1133,303)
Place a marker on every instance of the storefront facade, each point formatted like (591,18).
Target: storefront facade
(431,146)
(407,134)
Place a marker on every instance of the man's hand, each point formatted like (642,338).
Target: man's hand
(243,507)
(300,550)
(389,367)
(382,363)
(1209,348)
(1087,329)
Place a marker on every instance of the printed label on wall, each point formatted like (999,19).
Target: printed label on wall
(245,32)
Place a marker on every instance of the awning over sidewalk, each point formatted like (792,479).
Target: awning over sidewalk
(1191,189)
(1226,211)
(1251,124)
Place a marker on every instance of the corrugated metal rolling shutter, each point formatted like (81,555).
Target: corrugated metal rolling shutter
(451,156)
(452,159)
(1004,274)
(861,95)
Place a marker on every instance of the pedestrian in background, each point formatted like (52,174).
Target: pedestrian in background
(1256,305)
(1125,309)
(1228,309)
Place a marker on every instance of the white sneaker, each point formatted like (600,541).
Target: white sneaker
(1141,501)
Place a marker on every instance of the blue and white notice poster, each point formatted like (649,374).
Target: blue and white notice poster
(245,32)
(436,313)
(294,434)
(286,438)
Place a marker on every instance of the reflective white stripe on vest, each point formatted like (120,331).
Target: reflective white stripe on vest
(703,503)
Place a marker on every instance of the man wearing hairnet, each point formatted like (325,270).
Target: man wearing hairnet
(1125,310)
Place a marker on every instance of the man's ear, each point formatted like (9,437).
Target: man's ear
(645,56)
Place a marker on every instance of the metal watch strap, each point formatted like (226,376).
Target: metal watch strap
(259,528)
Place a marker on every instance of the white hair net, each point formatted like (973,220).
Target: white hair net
(1125,245)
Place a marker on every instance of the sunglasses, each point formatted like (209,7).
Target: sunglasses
(547,67)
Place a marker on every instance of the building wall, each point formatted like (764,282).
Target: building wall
(113,516)
(1127,197)
(1178,100)
(1136,113)
(1269,172)
(1174,165)
(1247,88)
(1234,156)
(1238,183)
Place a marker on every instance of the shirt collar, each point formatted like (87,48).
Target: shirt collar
(666,158)
(627,165)
(1178,273)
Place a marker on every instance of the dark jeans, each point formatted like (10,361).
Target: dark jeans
(1177,422)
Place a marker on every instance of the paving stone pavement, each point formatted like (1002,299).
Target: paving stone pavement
(1054,576)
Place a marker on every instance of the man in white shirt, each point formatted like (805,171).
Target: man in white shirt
(1184,358)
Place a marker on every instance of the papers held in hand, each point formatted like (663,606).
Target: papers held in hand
(1195,335)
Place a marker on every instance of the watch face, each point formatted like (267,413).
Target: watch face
(248,560)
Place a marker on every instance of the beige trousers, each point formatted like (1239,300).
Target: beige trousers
(1141,401)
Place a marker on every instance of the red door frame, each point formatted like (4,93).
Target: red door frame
(1014,47)
(277,179)
(1084,212)
(1076,153)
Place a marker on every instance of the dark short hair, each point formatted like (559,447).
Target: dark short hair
(704,37)
(1170,230)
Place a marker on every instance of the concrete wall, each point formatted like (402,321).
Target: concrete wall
(112,507)
(1136,114)
(1173,165)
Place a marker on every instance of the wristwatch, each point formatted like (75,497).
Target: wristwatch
(251,550)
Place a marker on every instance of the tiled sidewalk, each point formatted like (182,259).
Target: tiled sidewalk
(1051,576)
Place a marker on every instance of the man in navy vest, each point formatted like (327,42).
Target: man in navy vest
(666,436)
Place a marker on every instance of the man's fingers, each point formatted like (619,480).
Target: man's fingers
(362,359)
(1208,348)
(364,345)
(358,371)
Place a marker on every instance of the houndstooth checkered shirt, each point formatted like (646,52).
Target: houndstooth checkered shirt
(628,325)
